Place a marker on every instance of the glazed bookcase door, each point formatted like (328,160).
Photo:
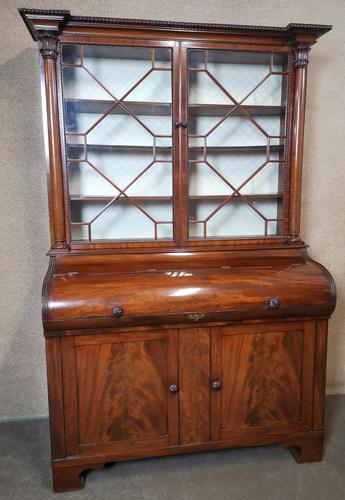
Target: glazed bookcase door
(118,112)
(264,379)
(120,388)
(236,143)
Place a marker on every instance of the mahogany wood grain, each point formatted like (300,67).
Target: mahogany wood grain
(70,395)
(67,477)
(194,382)
(83,300)
(121,391)
(176,143)
(55,392)
(264,383)
(308,373)
(309,445)
(271,41)
(184,143)
(126,247)
(297,149)
(237,440)
(178,326)
(53,155)
(139,261)
(320,374)
(305,450)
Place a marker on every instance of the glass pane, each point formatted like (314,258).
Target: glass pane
(236,141)
(219,217)
(118,135)
(123,219)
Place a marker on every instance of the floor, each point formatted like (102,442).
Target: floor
(262,473)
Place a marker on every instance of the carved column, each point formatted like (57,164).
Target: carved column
(301,63)
(47,43)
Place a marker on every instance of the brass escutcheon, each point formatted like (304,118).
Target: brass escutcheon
(196,316)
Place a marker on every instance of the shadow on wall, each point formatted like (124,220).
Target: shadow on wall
(24,233)
(336,325)
(321,217)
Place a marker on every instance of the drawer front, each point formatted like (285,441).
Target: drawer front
(92,300)
(262,379)
(119,389)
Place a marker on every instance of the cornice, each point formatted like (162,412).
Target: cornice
(37,20)
(43,22)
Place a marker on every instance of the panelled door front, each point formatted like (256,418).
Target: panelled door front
(119,106)
(234,130)
(261,379)
(120,388)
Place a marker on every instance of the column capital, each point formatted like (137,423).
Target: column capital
(47,44)
(301,55)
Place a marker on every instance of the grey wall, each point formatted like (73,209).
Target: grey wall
(23,201)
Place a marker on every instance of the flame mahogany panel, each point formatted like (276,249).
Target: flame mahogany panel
(265,389)
(264,378)
(194,381)
(121,393)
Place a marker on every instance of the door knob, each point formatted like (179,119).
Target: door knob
(173,388)
(273,303)
(216,385)
(117,311)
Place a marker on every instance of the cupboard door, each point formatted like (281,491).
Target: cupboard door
(118,391)
(236,140)
(118,116)
(261,378)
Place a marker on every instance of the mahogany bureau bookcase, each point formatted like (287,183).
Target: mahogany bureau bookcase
(181,310)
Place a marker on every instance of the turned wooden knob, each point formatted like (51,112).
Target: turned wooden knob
(117,311)
(216,385)
(273,303)
(173,388)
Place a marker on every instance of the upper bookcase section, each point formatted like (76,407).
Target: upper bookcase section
(170,135)
(62,21)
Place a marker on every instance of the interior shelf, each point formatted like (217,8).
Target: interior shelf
(265,196)
(103,148)
(237,149)
(223,109)
(99,106)
(74,197)
(196,149)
